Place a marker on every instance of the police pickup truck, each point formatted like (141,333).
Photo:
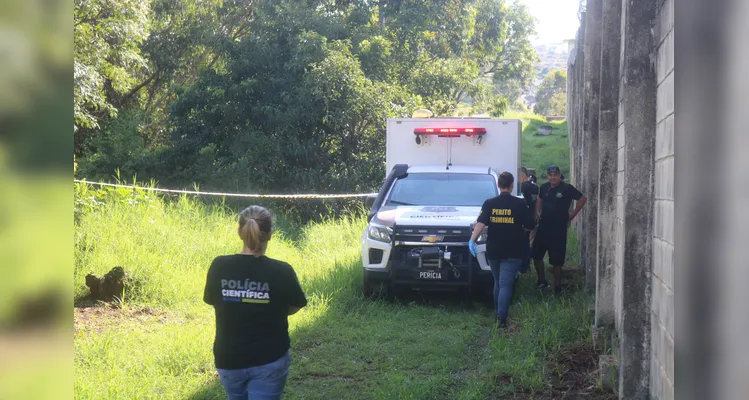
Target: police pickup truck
(440,172)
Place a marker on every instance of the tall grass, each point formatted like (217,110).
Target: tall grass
(344,346)
(166,246)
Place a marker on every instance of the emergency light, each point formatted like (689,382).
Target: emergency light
(450,132)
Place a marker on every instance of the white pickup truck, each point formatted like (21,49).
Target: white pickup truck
(441,170)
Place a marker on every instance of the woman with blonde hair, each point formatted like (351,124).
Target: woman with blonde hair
(253,295)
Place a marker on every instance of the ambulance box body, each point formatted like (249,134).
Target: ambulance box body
(495,143)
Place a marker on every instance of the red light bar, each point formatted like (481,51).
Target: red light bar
(450,132)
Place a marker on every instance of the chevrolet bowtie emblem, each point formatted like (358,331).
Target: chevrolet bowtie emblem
(432,239)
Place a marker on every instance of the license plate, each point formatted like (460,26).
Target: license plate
(431,275)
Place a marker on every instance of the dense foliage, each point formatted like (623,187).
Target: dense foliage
(551,97)
(284,96)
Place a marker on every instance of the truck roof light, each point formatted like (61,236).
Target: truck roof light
(450,132)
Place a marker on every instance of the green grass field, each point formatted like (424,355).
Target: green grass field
(157,342)
(541,151)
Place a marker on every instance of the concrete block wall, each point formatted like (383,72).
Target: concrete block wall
(608,135)
(662,307)
(641,262)
(589,214)
(620,170)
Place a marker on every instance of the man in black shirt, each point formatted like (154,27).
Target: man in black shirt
(507,217)
(529,191)
(552,211)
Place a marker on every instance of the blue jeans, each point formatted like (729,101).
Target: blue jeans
(261,382)
(504,272)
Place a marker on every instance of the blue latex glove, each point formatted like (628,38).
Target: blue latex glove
(472,248)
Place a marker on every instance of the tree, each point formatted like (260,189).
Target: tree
(514,72)
(441,50)
(498,107)
(268,95)
(291,108)
(555,82)
(558,104)
(175,40)
(107,34)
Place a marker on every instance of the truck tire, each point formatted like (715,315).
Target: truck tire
(372,287)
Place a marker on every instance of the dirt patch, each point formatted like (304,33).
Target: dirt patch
(573,374)
(578,365)
(98,318)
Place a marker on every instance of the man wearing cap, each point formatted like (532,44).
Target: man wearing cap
(552,212)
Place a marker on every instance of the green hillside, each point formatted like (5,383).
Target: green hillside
(541,151)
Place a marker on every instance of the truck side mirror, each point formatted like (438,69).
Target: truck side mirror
(370,200)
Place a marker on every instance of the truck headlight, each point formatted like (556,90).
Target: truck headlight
(379,233)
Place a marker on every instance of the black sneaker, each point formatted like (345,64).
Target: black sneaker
(500,326)
(542,284)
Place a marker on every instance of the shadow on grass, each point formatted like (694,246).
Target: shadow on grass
(211,392)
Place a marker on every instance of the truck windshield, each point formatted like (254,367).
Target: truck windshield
(440,189)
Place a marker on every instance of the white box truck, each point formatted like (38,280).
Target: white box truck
(440,172)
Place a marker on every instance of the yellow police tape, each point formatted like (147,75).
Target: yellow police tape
(267,196)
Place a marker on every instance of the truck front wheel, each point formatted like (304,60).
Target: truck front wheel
(373,285)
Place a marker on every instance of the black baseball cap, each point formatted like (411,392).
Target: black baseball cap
(553,168)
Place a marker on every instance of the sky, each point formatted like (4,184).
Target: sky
(557,19)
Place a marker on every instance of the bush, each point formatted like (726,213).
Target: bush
(558,104)
(554,83)
(117,147)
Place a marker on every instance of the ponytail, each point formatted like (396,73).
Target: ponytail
(255,223)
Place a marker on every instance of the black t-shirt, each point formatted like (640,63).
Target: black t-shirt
(556,202)
(251,296)
(530,193)
(506,216)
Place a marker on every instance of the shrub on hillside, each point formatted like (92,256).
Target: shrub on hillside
(555,82)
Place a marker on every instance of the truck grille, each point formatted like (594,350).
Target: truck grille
(417,234)
(460,256)
(404,265)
